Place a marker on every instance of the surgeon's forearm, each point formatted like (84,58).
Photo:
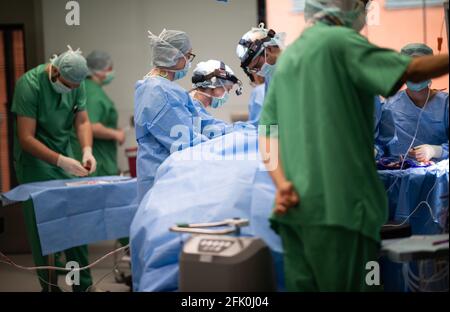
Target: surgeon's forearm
(269,150)
(26,131)
(278,176)
(103,133)
(84,130)
(37,149)
(426,67)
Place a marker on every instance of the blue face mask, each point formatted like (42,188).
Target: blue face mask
(418,86)
(267,69)
(57,85)
(180,74)
(108,78)
(218,102)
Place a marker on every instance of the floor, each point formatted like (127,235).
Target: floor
(17,280)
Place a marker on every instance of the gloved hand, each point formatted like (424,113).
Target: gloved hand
(425,153)
(286,197)
(71,166)
(89,162)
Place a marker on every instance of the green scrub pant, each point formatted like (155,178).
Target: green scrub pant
(326,259)
(78,254)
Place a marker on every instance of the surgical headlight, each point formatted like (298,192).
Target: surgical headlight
(254,48)
(220,73)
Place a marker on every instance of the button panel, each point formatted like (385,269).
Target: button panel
(214,245)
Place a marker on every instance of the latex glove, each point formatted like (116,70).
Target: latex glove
(120,136)
(286,197)
(71,166)
(89,162)
(425,153)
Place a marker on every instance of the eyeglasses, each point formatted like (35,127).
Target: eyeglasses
(191,57)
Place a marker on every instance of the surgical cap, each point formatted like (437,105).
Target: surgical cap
(345,10)
(257,33)
(98,61)
(71,65)
(416,49)
(169,47)
(206,68)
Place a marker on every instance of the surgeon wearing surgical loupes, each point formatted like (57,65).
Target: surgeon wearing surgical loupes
(419,116)
(161,105)
(212,83)
(259,50)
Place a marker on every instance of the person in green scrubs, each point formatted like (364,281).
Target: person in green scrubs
(48,102)
(330,204)
(102,114)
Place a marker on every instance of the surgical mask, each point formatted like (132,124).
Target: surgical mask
(418,86)
(57,86)
(267,69)
(108,78)
(218,102)
(215,101)
(180,74)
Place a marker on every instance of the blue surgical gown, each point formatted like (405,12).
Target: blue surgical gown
(400,115)
(212,127)
(256,103)
(385,136)
(160,105)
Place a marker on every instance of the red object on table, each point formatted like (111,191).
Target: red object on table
(131,154)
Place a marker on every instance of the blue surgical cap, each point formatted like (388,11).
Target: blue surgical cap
(71,65)
(348,11)
(98,61)
(169,47)
(417,49)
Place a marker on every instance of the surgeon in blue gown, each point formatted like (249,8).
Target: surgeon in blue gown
(384,136)
(419,117)
(213,82)
(165,116)
(256,102)
(263,61)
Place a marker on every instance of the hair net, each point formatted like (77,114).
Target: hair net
(417,49)
(71,65)
(206,68)
(169,47)
(349,12)
(98,61)
(259,33)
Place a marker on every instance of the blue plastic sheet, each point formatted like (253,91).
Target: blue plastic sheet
(219,179)
(69,216)
(421,188)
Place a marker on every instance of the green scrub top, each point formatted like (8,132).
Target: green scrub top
(54,113)
(101,109)
(321,98)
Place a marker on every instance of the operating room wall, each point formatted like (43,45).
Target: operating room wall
(120,28)
(396,27)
